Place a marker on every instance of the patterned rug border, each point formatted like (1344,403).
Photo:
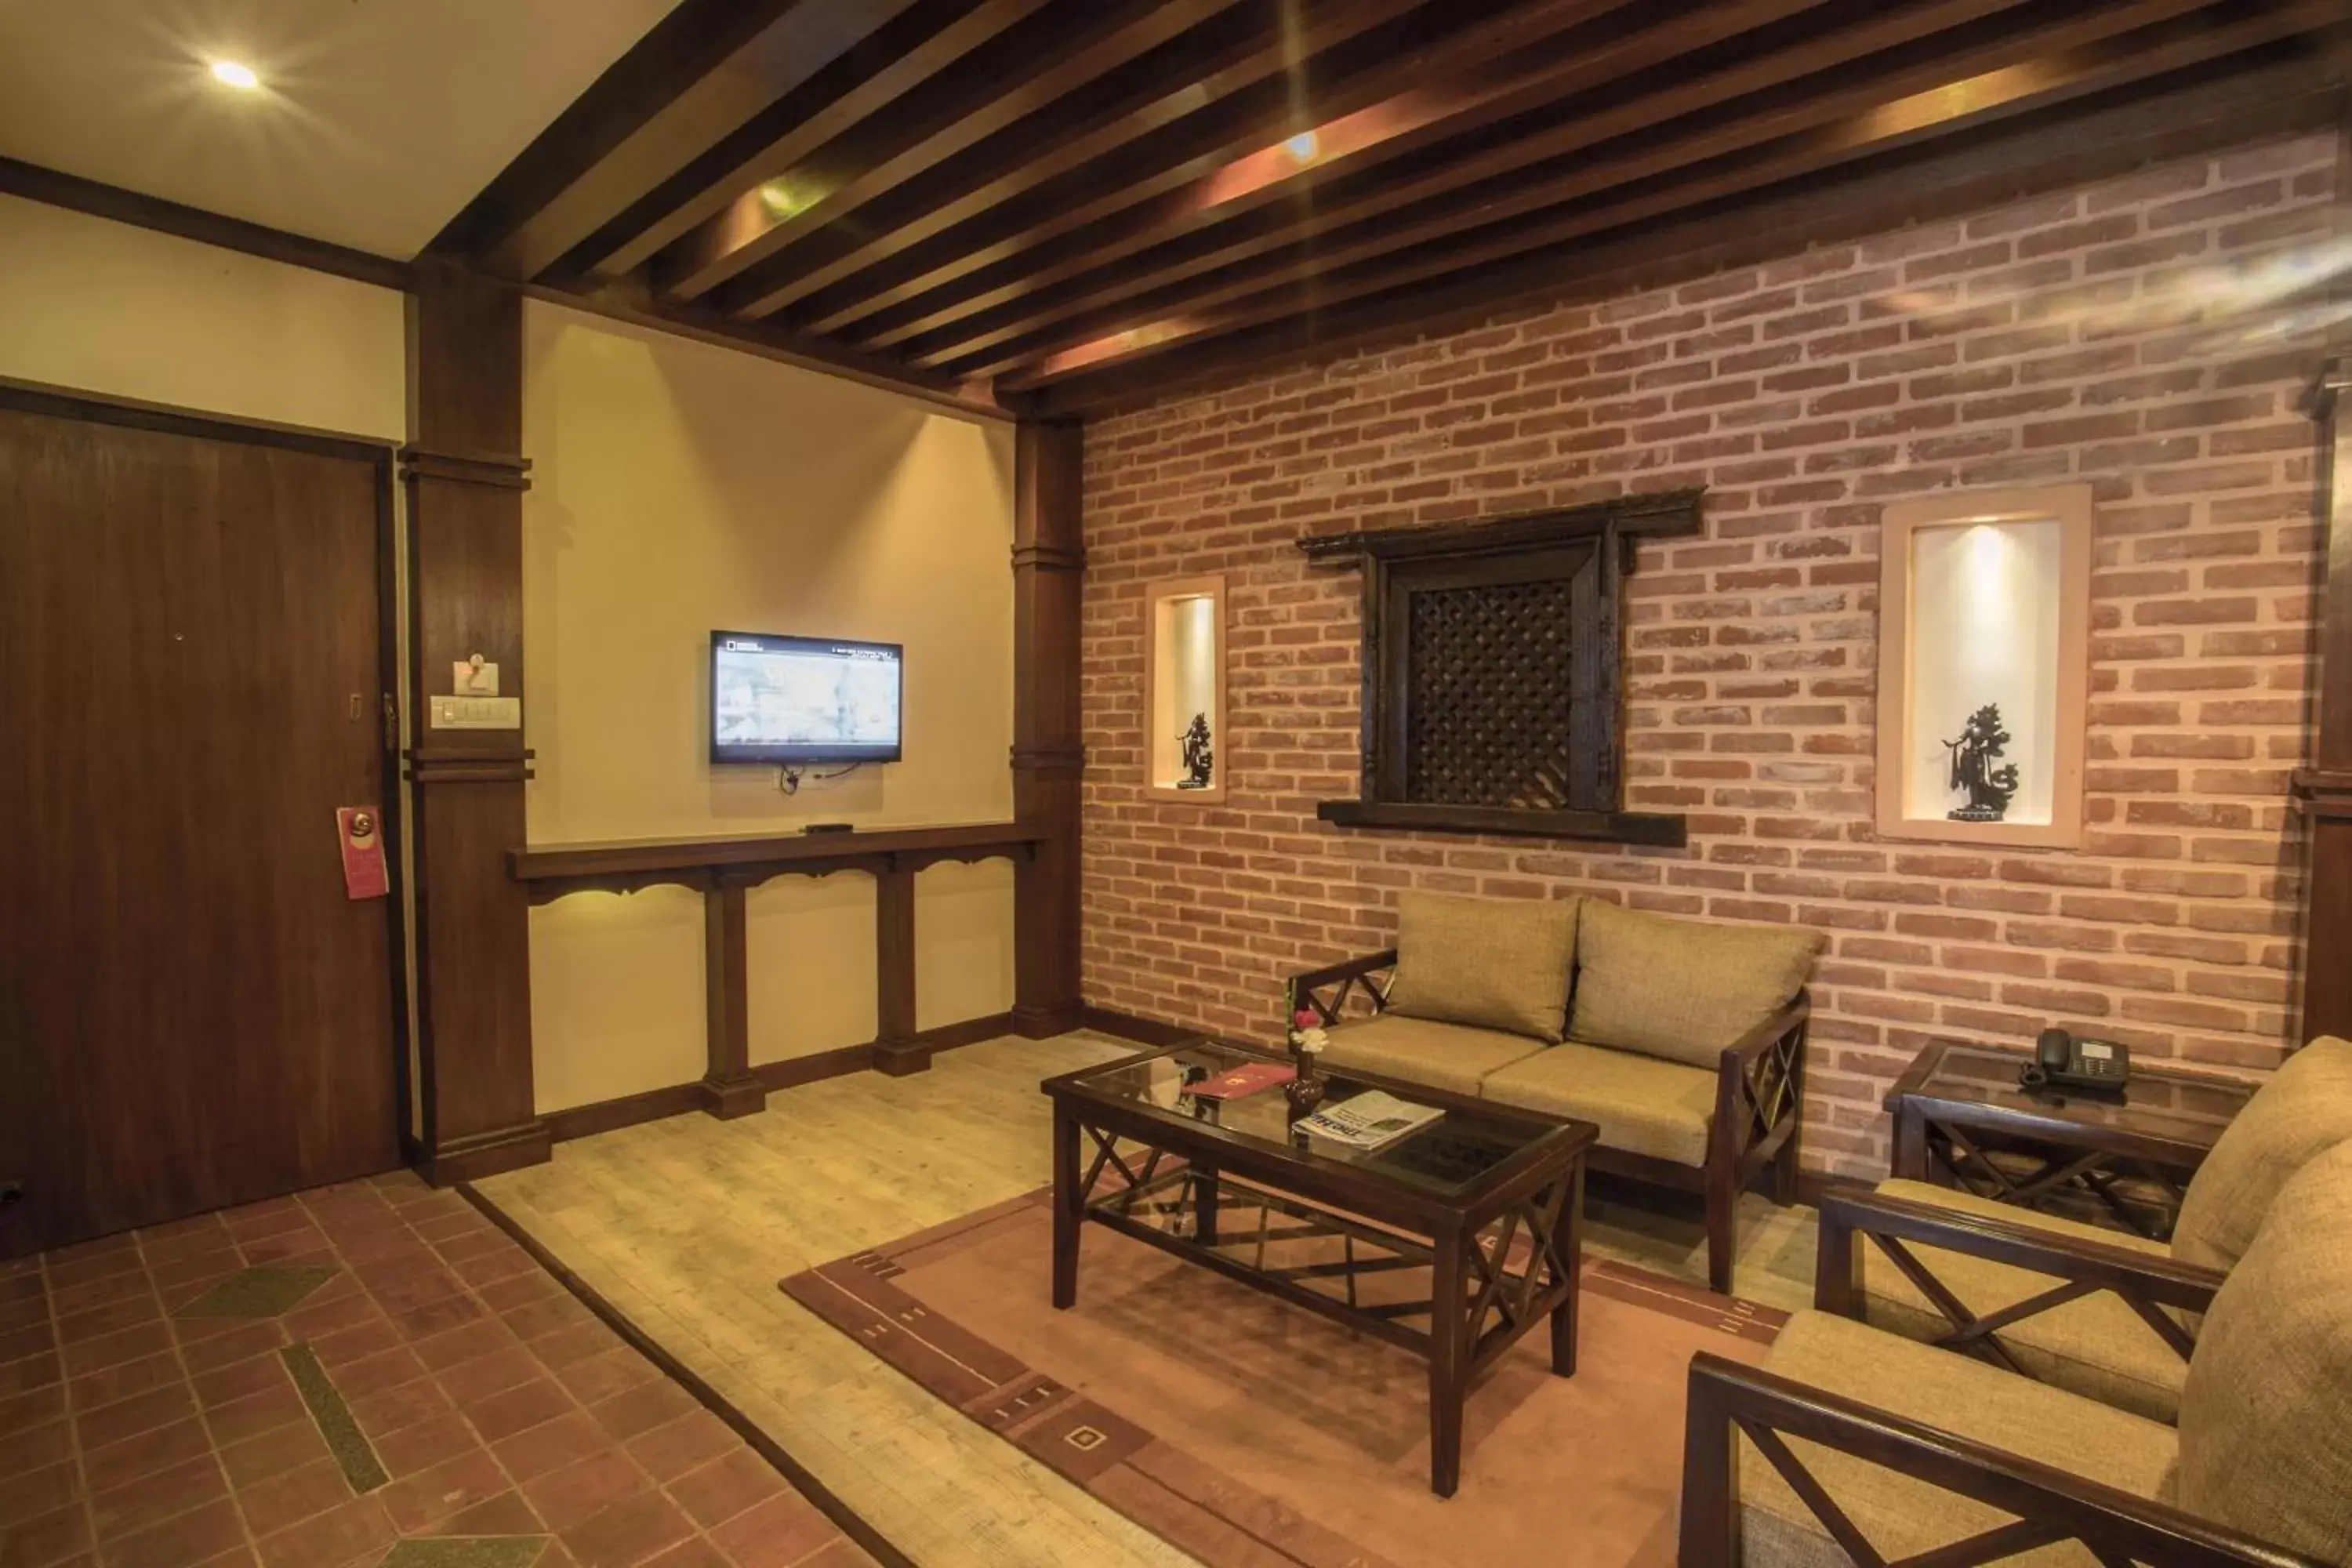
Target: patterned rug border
(1172,1493)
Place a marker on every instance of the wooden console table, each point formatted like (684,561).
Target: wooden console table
(724,869)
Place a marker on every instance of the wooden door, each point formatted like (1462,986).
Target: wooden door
(192,1014)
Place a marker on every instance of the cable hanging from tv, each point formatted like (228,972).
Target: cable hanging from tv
(789,779)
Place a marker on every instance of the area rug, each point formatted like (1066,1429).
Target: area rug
(1254,1434)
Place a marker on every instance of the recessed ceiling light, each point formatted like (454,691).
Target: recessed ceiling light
(1304,146)
(236,74)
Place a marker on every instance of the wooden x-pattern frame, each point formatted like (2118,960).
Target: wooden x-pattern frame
(2066,1153)
(1501,1257)
(1729,1403)
(2158,1290)
(1758,1115)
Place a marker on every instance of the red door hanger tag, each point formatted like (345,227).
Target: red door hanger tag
(360,833)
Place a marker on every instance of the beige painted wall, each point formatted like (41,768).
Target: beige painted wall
(679,487)
(104,307)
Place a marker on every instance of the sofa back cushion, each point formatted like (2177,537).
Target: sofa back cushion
(1499,964)
(2264,1412)
(2302,1112)
(1682,989)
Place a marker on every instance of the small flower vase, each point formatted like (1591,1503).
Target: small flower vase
(1305,1091)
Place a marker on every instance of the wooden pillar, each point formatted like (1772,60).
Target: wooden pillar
(1048,760)
(897,1051)
(2323,790)
(728,1089)
(466,475)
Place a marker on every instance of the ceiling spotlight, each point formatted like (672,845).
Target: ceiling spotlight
(1303,146)
(236,74)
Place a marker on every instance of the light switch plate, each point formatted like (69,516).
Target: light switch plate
(477,713)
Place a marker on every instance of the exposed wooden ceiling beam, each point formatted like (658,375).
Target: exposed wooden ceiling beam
(2014,160)
(1024,71)
(776,60)
(1737,96)
(1241,50)
(1734,151)
(677,54)
(875,75)
(1355,73)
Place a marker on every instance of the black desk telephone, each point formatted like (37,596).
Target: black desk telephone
(2062,1061)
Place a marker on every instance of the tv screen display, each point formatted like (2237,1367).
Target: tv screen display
(803,699)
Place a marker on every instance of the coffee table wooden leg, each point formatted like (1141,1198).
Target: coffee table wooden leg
(1204,1204)
(1568,1246)
(1068,1211)
(1447,1311)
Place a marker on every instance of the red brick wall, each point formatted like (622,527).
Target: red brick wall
(2119,334)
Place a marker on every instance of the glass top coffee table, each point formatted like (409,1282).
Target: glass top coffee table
(1452,1242)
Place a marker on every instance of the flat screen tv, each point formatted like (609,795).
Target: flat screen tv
(803,699)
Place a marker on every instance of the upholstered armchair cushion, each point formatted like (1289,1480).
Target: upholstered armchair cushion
(1901,1516)
(1642,1105)
(1497,963)
(2303,1110)
(1444,1055)
(2096,1345)
(2266,1416)
(1679,989)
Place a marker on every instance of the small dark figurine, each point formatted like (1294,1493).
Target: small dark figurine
(1990,788)
(1199,758)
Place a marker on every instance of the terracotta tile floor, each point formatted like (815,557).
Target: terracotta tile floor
(161,1406)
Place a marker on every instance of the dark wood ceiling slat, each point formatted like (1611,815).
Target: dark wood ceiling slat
(1019,72)
(803,41)
(870,77)
(1480,176)
(685,45)
(2293,90)
(1356,74)
(2032,83)
(1241,50)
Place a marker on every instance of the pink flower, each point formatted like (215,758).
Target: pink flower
(1303,1019)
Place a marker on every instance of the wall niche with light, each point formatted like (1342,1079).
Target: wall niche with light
(1185,690)
(1983,666)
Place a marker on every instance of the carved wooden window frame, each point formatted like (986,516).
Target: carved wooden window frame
(1589,548)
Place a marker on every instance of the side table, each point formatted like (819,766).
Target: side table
(1962,1120)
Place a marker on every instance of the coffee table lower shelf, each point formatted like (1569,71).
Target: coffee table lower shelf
(1497,1276)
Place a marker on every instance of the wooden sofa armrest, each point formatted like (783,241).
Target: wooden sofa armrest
(1303,990)
(2145,1282)
(1760,1084)
(1728,1399)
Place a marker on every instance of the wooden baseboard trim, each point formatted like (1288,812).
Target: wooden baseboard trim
(677,1098)
(843,1516)
(490,1153)
(1131,1027)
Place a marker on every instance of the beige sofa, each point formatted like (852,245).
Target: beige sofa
(1683,1040)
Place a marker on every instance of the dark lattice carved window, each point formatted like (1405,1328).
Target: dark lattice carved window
(1493,653)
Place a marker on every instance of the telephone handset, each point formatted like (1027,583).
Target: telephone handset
(2061,1061)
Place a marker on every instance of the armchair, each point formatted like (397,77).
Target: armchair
(1851,1445)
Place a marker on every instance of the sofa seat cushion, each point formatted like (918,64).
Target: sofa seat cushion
(1679,989)
(1642,1105)
(1444,1055)
(2094,1345)
(2303,1111)
(1496,963)
(1901,1516)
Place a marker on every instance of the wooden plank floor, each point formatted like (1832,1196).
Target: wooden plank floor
(686,1225)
